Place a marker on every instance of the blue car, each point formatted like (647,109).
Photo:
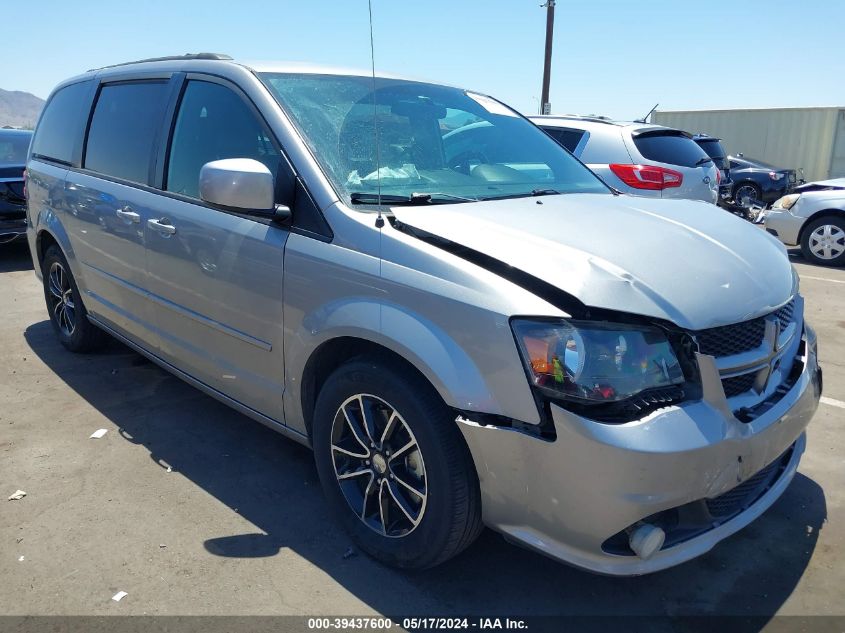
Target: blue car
(756,182)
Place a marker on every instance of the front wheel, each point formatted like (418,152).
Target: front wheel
(823,241)
(393,465)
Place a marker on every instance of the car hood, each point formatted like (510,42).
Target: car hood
(835,183)
(686,261)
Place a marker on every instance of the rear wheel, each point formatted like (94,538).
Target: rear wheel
(823,241)
(747,195)
(394,466)
(64,304)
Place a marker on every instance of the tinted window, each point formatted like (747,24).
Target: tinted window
(61,123)
(715,151)
(123,131)
(214,123)
(670,148)
(13,146)
(566,137)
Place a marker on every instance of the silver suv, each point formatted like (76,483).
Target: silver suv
(638,158)
(464,323)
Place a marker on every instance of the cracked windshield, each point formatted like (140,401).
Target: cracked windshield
(435,144)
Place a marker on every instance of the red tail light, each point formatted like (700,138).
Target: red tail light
(24,183)
(718,176)
(647,176)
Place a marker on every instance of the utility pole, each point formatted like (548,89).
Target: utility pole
(547,66)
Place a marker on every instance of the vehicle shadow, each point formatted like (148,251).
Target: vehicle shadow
(796,257)
(15,257)
(272,483)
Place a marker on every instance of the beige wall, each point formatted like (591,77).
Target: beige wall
(785,137)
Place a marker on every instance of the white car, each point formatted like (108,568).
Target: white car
(814,220)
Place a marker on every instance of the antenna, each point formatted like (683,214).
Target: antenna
(645,118)
(379,219)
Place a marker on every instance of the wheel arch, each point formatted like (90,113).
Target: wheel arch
(43,241)
(746,180)
(452,367)
(836,213)
(335,352)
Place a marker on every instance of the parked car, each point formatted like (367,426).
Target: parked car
(820,185)
(814,220)
(465,331)
(637,158)
(713,147)
(13,147)
(756,182)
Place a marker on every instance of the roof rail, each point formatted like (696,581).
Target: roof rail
(211,56)
(594,118)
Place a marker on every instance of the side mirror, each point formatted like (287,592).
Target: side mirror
(241,184)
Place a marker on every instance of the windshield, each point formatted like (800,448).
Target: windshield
(13,147)
(447,143)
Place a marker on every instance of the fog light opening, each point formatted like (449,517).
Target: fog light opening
(645,540)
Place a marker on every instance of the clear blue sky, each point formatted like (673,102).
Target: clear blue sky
(614,57)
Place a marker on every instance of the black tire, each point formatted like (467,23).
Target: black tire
(450,519)
(808,244)
(751,187)
(67,314)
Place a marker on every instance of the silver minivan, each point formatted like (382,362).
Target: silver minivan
(638,158)
(466,325)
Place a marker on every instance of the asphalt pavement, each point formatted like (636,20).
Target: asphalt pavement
(191,508)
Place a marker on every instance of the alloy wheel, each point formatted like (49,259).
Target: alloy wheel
(378,465)
(827,241)
(61,299)
(746,192)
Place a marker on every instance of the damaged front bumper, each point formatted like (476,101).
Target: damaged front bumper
(573,497)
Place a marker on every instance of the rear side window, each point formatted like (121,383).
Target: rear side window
(214,123)
(566,137)
(671,148)
(715,151)
(123,130)
(61,124)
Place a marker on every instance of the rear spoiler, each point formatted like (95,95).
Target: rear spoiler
(660,131)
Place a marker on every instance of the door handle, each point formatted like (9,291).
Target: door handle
(126,213)
(163,226)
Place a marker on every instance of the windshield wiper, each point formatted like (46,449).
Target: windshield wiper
(526,194)
(702,161)
(366,197)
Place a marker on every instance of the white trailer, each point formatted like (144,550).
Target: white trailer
(811,139)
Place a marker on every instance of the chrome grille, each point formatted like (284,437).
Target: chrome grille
(738,384)
(727,340)
(784,315)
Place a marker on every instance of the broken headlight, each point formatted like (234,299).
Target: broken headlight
(786,202)
(596,362)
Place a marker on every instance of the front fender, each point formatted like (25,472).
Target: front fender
(455,334)
(444,363)
(459,378)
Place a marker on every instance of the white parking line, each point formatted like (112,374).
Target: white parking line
(836,281)
(833,403)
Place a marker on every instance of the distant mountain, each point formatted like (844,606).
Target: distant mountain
(19,109)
